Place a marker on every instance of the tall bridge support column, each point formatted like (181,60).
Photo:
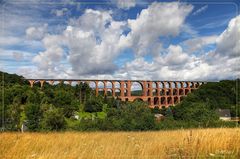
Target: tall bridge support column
(96,91)
(144,88)
(129,84)
(41,83)
(122,83)
(113,89)
(105,88)
(31,83)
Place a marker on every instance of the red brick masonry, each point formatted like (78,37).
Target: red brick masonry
(156,93)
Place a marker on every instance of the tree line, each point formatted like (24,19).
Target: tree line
(64,107)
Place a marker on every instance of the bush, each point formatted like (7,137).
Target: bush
(198,112)
(94,105)
(53,119)
(33,116)
(131,116)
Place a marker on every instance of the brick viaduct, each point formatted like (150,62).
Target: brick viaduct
(156,93)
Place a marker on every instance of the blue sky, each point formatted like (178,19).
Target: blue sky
(128,39)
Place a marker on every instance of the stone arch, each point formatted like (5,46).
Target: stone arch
(178,84)
(168,92)
(100,88)
(161,85)
(162,92)
(138,99)
(163,100)
(192,85)
(181,91)
(65,82)
(169,101)
(148,85)
(185,85)
(156,100)
(92,84)
(100,85)
(154,92)
(74,83)
(154,85)
(167,85)
(109,92)
(136,89)
(117,84)
(175,101)
(175,91)
(117,92)
(109,84)
(187,91)
(51,82)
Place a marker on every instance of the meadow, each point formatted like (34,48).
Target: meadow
(190,143)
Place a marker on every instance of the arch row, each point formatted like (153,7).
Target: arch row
(156,93)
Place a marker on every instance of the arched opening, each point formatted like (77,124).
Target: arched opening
(175,100)
(181,91)
(100,84)
(181,84)
(185,85)
(100,88)
(168,92)
(136,89)
(175,91)
(162,92)
(117,92)
(197,85)
(154,85)
(178,84)
(138,99)
(149,101)
(186,91)
(161,85)
(126,99)
(74,83)
(167,85)
(116,84)
(191,85)
(163,100)
(169,101)
(181,98)
(108,84)
(154,91)
(92,85)
(109,92)
(156,101)
(37,83)
(148,85)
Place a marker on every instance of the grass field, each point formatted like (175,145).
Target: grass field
(196,143)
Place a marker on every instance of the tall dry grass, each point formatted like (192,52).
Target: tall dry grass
(196,143)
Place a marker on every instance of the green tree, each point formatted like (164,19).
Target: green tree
(33,116)
(94,105)
(53,119)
